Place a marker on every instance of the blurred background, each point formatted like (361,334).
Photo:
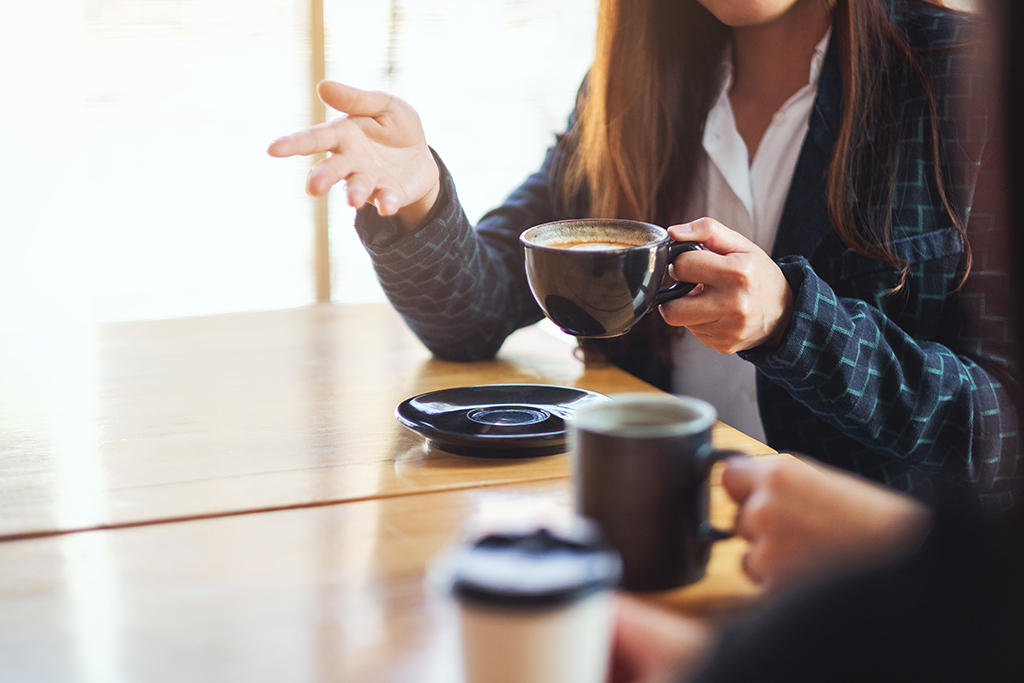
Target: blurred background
(135,182)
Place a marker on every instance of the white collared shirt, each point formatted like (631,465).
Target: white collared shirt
(749,199)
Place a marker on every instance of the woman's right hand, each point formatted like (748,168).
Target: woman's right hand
(378,149)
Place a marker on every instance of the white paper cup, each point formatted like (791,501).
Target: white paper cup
(535,608)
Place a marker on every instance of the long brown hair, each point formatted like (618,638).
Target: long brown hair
(652,84)
(867,39)
(647,94)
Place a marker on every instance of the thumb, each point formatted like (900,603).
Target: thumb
(352,101)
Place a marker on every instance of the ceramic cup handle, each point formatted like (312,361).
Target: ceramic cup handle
(708,532)
(676,289)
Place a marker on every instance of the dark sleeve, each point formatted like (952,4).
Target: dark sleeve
(923,379)
(461,290)
(945,407)
(954,611)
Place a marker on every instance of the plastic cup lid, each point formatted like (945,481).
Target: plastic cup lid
(534,568)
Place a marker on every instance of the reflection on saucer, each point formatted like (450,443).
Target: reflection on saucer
(495,420)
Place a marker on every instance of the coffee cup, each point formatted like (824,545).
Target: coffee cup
(598,277)
(641,467)
(535,606)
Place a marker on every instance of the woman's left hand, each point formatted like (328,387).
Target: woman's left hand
(745,300)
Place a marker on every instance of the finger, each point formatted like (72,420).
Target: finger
(749,524)
(327,173)
(283,147)
(698,313)
(358,190)
(316,140)
(759,506)
(353,101)
(750,567)
(712,235)
(304,142)
(705,266)
(386,201)
(739,477)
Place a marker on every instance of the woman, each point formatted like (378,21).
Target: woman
(857,328)
(898,593)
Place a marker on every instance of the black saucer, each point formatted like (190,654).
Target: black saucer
(495,420)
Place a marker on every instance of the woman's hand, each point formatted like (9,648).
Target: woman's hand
(653,645)
(744,301)
(378,149)
(803,518)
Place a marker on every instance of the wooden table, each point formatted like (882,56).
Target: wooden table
(231,498)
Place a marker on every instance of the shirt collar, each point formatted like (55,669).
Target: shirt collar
(723,144)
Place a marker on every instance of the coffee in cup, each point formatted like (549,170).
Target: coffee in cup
(641,465)
(598,277)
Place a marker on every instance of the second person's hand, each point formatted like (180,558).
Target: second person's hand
(655,645)
(378,149)
(803,518)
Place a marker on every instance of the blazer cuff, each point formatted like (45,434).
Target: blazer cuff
(797,272)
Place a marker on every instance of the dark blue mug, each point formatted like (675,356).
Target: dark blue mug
(598,277)
(641,468)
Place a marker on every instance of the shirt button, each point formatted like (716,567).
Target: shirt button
(779,118)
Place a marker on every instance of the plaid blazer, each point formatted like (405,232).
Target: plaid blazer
(908,389)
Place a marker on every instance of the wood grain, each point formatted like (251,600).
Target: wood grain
(231,498)
(177,419)
(335,593)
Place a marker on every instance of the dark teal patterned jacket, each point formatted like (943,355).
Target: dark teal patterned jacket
(908,389)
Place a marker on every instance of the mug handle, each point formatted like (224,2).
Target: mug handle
(706,531)
(676,289)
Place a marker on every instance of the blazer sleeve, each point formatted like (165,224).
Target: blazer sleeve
(941,403)
(916,384)
(461,290)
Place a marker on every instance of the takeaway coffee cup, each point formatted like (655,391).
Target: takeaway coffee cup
(641,464)
(598,277)
(535,607)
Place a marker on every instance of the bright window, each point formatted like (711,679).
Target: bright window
(135,182)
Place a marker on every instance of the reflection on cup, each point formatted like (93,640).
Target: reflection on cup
(535,607)
(641,464)
(598,277)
